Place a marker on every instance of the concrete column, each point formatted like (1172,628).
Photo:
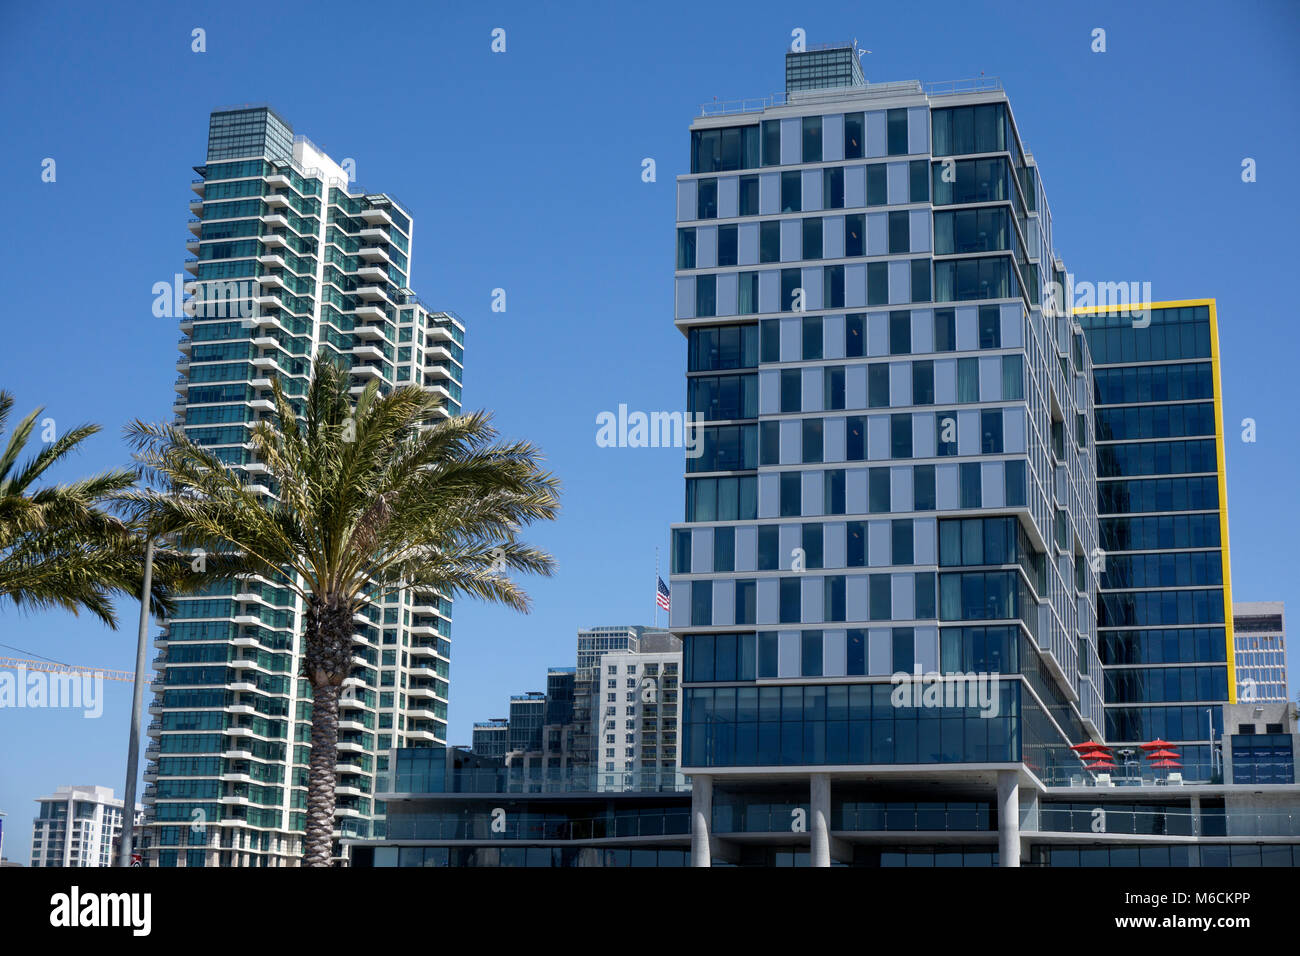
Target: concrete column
(819,826)
(1008,818)
(701,818)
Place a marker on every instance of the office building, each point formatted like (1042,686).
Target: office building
(290,261)
(639,705)
(491,738)
(1164,613)
(1259,633)
(78,826)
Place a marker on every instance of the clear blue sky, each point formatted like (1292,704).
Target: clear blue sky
(523,169)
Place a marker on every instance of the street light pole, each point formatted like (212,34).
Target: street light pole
(125,847)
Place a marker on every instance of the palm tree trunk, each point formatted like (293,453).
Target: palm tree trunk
(327,659)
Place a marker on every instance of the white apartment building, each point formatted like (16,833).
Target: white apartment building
(638,694)
(78,826)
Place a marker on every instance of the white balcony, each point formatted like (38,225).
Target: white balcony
(266,341)
(276,221)
(368,312)
(373,234)
(198,186)
(274,280)
(276,200)
(377,214)
(277,181)
(368,352)
(195,225)
(192,266)
(192,246)
(196,207)
(272,259)
(368,372)
(372,272)
(372,292)
(373,254)
(274,239)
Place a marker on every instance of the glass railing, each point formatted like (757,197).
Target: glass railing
(1210,822)
(668,821)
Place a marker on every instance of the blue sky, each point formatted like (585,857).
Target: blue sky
(523,171)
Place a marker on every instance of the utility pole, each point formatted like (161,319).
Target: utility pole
(125,847)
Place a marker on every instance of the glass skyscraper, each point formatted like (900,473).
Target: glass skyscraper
(289,261)
(1165,612)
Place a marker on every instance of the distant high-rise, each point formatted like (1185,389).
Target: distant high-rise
(1259,633)
(290,261)
(78,826)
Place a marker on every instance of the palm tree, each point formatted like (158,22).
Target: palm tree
(366,500)
(60,546)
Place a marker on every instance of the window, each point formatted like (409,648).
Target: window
(791,191)
(811,336)
(833,491)
(746,602)
(923,382)
(811,541)
(1013,376)
(1015,483)
(791,494)
(878,385)
(686,248)
(855,445)
(920,280)
(878,597)
(923,497)
(877,186)
(769,240)
(706,199)
(877,283)
(833,387)
(896,132)
(900,436)
(833,605)
(724,549)
(747,293)
(833,187)
(791,389)
(968,380)
(991,431)
(970,484)
(904,649)
(771,142)
(812,441)
(856,542)
(812,139)
(924,586)
(791,290)
(749,195)
(810,654)
(727,246)
(855,339)
(853,138)
(918,176)
(855,231)
(899,234)
(769,558)
(769,443)
(706,295)
(833,287)
(945,330)
(900,332)
(721,347)
(945,434)
(990,327)
(721,150)
(701,603)
(790,600)
(877,490)
(902,541)
(812,238)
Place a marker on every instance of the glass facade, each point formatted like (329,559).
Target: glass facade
(1164,612)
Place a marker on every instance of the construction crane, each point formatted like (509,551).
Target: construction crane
(53,668)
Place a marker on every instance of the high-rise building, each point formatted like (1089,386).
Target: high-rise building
(1259,633)
(639,704)
(78,826)
(290,261)
(593,644)
(491,738)
(897,474)
(1164,615)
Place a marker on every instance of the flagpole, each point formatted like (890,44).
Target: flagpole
(656,586)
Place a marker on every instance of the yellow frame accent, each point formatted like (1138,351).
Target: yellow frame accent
(1223,462)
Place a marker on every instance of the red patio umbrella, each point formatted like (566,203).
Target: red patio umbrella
(1102,765)
(1089,745)
(1166,763)
(1155,744)
(1163,754)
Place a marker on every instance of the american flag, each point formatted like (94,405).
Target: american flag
(662,596)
